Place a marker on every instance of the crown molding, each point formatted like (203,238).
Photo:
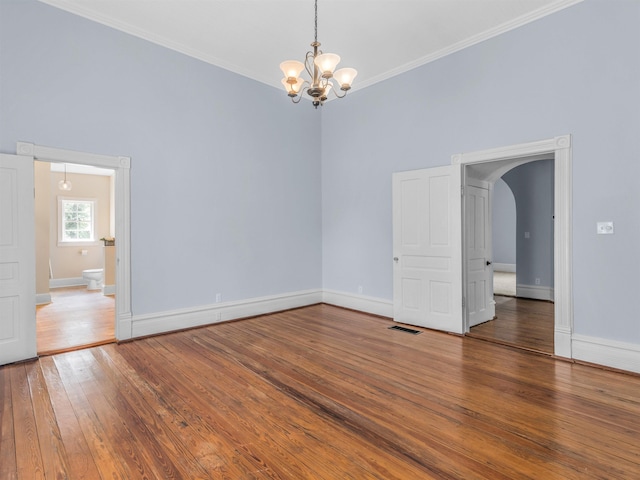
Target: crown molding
(160,40)
(471,41)
(163,41)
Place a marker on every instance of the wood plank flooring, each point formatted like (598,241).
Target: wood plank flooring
(520,322)
(75,318)
(315,393)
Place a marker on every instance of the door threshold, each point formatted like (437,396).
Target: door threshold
(73,348)
(509,344)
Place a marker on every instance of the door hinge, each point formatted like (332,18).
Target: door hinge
(463,302)
(462,190)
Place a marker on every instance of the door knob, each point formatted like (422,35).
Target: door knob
(395,259)
(488,263)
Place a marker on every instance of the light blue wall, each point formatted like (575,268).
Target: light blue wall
(503,228)
(223,197)
(208,149)
(574,72)
(532,187)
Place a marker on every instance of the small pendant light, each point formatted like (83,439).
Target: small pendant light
(65,184)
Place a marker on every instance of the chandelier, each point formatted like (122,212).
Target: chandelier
(320,68)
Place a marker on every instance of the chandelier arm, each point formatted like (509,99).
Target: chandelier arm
(335,92)
(300,94)
(308,64)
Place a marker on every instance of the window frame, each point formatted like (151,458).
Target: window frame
(77,242)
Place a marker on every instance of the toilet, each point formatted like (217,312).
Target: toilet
(93,277)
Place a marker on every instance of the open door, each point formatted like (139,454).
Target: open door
(481,306)
(17,260)
(427,239)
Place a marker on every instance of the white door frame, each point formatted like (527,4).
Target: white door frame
(560,148)
(121,166)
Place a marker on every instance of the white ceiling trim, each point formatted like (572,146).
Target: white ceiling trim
(146,35)
(269,79)
(474,40)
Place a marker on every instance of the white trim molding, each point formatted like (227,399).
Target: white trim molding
(121,167)
(599,351)
(43,298)
(504,267)
(610,353)
(108,289)
(162,322)
(535,292)
(361,303)
(67,282)
(558,148)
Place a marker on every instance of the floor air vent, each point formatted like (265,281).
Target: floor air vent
(405,329)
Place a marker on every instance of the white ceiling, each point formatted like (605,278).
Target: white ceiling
(251,37)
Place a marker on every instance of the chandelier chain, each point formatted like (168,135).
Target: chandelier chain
(316,22)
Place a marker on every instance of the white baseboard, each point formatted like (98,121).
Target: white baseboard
(108,289)
(154,323)
(562,341)
(611,353)
(504,267)
(620,355)
(66,282)
(536,292)
(377,306)
(123,326)
(43,298)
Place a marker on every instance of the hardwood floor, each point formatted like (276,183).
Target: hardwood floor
(520,322)
(315,393)
(75,318)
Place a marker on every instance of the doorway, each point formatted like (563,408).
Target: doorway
(74,209)
(523,237)
(121,220)
(431,273)
(490,165)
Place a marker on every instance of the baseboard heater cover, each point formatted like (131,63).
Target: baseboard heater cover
(405,329)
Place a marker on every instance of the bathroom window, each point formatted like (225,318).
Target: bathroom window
(76,220)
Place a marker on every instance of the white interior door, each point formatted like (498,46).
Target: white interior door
(427,248)
(17,260)
(480,304)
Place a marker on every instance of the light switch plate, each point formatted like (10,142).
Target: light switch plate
(605,228)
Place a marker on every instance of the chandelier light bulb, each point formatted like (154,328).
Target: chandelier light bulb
(292,89)
(345,77)
(327,63)
(291,69)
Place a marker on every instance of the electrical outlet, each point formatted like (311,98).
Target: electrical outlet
(359,288)
(537,281)
(527,235)
(605,228)
(218,297)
